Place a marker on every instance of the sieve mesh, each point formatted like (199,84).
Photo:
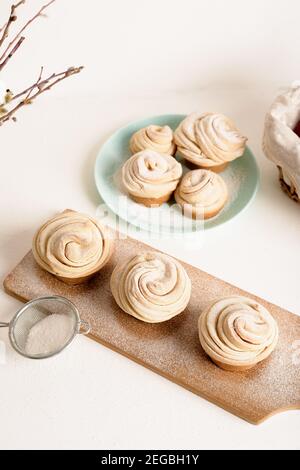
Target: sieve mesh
(44,327)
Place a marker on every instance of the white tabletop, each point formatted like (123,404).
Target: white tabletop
(187,56)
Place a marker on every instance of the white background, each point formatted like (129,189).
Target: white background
(142,58)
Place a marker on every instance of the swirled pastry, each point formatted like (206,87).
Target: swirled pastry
(237,333)
(209,140)
(157,138)
(201,194)
(281,142)
(151,287)
(72,246)
(150,177)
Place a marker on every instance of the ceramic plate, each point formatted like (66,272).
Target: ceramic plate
(241,176)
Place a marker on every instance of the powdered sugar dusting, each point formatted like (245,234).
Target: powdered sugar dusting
(49,335)
(235,178)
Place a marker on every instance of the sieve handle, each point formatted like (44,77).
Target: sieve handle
(4,325)
(84,327)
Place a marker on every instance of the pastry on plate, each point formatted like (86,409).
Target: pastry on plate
(281,142)
(237,333)
(157,138)
(150,178)
(209,140)
(202,194)
(151,287)
(72,246)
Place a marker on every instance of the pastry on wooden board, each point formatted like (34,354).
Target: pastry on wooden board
(152,287)
(237,333)
(72,246)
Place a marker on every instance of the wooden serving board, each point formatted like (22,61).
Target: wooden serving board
(172,349)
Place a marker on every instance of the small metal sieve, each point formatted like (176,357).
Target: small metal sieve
(33,337)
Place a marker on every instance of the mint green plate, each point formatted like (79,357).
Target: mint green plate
(241,176)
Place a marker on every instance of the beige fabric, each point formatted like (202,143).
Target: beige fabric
(209,139)
(157,138)
(237,331)
(151,174)
(201,193)
(72,245)
(281,145)
(152,287)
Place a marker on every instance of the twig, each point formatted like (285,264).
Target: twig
(11,19)
(38,84)
(9,56)
(30,90)
(41,86)
(14,102)
(41,74)
(18,35)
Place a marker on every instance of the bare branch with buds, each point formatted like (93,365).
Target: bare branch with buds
(12,103)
